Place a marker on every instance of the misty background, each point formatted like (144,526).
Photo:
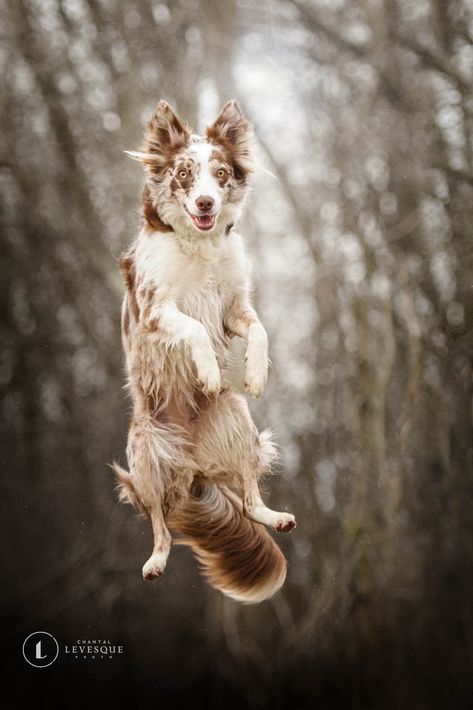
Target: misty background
(362,257)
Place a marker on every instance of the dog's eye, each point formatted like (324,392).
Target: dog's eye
(221,173)
(182,174)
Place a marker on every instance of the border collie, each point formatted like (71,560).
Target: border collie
(194,453)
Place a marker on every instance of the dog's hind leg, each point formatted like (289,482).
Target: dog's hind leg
(256,510)
(154,453)
(229,442)
(128,486)
(254,465)
(156,564)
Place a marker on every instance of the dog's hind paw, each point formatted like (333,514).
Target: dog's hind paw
(154,567)
(281,522)
(286,523)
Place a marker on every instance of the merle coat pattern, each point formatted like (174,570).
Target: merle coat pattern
(194,453)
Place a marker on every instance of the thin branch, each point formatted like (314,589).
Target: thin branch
(302,218)
(314,23)
(434,60)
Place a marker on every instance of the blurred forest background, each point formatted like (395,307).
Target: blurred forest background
(363,272)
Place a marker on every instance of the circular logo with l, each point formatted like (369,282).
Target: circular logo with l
(40,649)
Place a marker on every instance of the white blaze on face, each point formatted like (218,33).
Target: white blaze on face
(205,183)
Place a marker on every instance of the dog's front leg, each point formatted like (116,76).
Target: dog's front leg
(174,327)
(256,357)
(242,320)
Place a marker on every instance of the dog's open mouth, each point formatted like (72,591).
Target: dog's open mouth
(203,221)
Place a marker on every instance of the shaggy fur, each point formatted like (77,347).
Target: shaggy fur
(192,443)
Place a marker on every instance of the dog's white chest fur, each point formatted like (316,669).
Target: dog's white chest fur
(198,280)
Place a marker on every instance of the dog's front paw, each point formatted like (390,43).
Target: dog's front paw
(154,567)
(256,377)
(208,371)
(208,374)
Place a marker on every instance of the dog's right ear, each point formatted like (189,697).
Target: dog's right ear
(165,134)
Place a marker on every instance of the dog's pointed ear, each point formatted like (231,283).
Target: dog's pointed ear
(165,134)
(232,130)
(165,130)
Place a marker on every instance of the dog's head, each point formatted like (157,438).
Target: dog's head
(195,185)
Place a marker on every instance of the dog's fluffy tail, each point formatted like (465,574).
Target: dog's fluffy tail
(238,556)
(126,490)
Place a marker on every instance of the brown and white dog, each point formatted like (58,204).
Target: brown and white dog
(193,448)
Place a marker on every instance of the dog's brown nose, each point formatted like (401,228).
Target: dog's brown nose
(205,203)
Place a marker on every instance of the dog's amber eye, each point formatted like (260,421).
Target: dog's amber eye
(182,174)
(221,173)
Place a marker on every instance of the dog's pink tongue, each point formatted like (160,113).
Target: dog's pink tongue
(205,220)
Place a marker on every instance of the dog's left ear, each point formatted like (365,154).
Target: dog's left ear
(232,130)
